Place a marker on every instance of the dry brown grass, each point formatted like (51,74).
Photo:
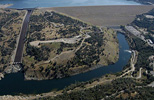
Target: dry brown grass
(111,47)
(67,56)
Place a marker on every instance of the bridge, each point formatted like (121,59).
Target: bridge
(17,63)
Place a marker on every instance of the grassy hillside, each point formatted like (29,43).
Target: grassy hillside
(59,46)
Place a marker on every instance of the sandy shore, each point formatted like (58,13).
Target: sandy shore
(5,5)
(105,15)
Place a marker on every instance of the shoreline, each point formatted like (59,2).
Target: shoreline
(2,6)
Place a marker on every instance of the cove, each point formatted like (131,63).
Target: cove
(64,3)
(15,83)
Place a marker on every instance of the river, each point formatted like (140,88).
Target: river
(64,3)
(15,83)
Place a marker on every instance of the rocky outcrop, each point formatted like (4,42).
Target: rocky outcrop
(9,97)
(1,76)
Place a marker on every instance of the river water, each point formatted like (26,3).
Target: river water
(64,3)
(15,83)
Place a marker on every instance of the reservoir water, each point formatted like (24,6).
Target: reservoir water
(15,83)
(64,3)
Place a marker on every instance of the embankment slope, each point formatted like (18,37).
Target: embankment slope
(105,15)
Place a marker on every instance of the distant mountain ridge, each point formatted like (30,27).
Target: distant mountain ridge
(148,2)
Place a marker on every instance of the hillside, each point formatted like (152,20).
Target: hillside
(10,24)
(60,46)
(145,24)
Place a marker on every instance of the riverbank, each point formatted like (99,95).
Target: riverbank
(1,76)
(5,5)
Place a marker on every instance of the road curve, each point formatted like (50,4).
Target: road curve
(20,46)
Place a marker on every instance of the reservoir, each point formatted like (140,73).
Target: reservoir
(64,3)
(15,83)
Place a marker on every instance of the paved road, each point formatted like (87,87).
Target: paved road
(19,51)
